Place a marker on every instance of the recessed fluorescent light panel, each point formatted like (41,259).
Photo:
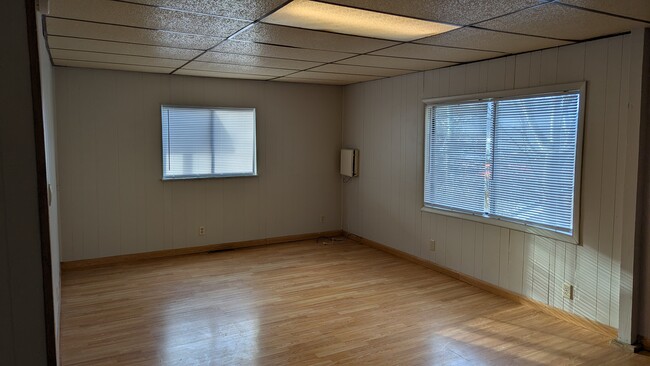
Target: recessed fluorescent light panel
(342,19)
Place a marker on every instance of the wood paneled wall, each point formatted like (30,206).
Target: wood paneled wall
(385,120)
(112,199)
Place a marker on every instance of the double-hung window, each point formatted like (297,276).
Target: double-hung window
(513,158)
(208,142)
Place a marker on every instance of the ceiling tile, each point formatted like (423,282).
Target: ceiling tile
(116,59)
(73,28)
(333,77)
(239,9)
(558,21)
(482,39)
(276,34)
(120,48)
(360,70)
(460,12)
(394,62)
(242,69)
(216,74)
(638,9)
(289,79)
(109,66)
(135,15)
(236,59)
(436,53)
(259,49)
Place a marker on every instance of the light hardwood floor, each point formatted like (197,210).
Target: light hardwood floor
(306,303)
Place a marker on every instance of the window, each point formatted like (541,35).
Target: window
(511,158)
(208,142)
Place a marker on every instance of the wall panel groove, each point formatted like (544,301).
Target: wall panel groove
(524,263)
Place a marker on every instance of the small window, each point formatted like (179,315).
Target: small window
(511,158)
(208,142)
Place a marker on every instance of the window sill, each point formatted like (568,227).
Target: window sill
(506,224)
(201,177)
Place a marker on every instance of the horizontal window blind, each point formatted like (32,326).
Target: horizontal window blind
(456,164)
(534,160)
(510,158)
(204,142)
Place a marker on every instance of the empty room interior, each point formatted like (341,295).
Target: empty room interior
(320,182)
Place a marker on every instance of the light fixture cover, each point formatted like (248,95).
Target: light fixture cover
(342,19)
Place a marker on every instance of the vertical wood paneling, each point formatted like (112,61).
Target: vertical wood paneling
(516,261)
(468,239)
(542,268)
(529,265)
(522,70)
(113,200)
(491,253)
(524,263)
(504,249)
(453,248)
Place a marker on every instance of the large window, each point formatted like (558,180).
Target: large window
(208,142)
(511,158)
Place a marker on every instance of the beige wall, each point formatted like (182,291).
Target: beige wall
(384,119)
(112,199)
(22,319)
(49,128)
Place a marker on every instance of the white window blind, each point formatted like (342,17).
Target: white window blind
(208,142)
(510,158)
(456,163)
(534,160)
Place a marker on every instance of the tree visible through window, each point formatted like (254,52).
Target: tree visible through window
(511,158)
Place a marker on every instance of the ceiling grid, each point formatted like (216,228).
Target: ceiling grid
(335,42)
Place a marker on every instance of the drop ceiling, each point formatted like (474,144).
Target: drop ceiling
(243,39)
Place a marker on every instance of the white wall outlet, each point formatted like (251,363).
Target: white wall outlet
(432,245)
(201,230)
(567,291)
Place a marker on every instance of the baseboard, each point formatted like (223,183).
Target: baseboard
(561,314)
(104,261)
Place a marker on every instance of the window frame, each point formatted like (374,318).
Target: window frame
(207,176)
(581,88)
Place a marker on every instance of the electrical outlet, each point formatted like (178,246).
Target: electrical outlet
(201,230)
(432,245)
(322,219)
(567,291)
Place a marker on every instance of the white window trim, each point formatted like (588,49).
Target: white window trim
(581,87)
(255,172)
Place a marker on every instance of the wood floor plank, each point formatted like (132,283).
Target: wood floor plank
(306,303)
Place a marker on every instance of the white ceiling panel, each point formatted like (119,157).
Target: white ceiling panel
(228,75)
(115,59)
(361,70)
(334,77)
(437,53)
(461,12)
(275,34)
(135,15)
(239,9)
(91,45)
(289,79)
(259,49)
(558,21)
(73,28)
(249,60)
(394,62)
(109,66)
(240,69)
(637,9)
(487,40)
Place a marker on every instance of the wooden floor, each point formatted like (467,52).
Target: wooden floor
(306,303)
